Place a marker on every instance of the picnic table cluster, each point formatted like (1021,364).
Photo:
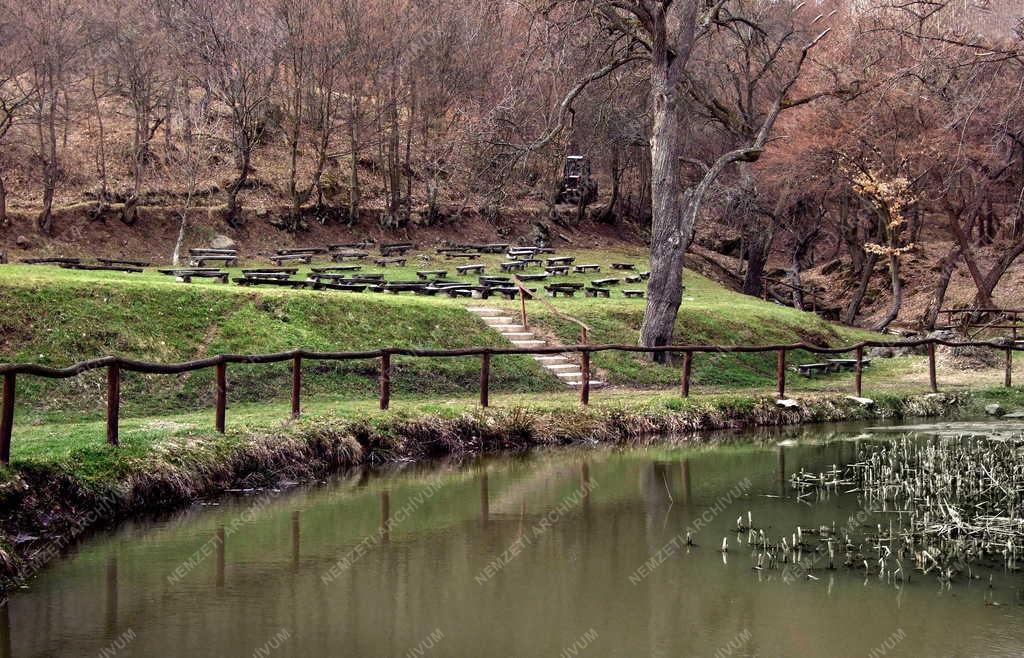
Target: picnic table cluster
(461,272)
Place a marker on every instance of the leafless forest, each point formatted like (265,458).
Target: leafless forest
(864,133)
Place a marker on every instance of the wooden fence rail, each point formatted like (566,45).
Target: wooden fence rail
(115,366)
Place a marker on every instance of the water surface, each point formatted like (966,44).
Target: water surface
(557,553)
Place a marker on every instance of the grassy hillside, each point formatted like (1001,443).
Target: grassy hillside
(56,317)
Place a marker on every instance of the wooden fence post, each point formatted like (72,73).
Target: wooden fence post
(780,373)
(485,379)
(687,370)
(221,395)
(296,387)
(522,303)
(860,371)
(585,384)
(932,379)
(113,402)
(385,380)
(7,418)
(1009,368)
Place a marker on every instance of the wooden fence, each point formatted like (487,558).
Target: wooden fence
(115,365)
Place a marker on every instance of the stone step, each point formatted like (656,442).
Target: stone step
(593,384)
(507,327)
(497,320)
(528,343)
(484,310)
(551,358)
(570,374)
(517,335)
(562,367)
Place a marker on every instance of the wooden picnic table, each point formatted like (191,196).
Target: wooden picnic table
(338,256)
(186,275)
(292,251)
(267,281)
(271,270)
(301,258)
(101,268)
(117,261)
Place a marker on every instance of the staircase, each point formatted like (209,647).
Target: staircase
(567,371)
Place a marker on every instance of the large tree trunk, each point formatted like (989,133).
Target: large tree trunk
(669,232)
(758,248)
(995,274)
(3,202)
(984,297)
(235,187)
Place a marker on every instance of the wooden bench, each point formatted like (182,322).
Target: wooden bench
(506,291)
(469,269)
(51,261)
(291,258)
(465,255)
(270,270)
(336,268)
(384,262)
(600,283)
(346,287)
(101,268)
(494,248)
(280,276)
(129,263)
(848,364)
(637,294)
(808,369)
(300,251)
(399,249)
(560,260)
(338,246)
(529,262)
(266,281)
(466,291)
(557,270)
(186,275)
(564,290)
(432,274)
(623,266)
(645,275)
(199,257)
(339,256)
(495,280)
(513,265)
(398,287)
(632,278)
(598,292)
(579,269)
(533,277)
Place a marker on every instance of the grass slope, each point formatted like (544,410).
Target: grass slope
(56,317)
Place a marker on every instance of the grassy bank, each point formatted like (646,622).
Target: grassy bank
(56,489)
(56,317)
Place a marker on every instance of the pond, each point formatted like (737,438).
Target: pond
(558,553)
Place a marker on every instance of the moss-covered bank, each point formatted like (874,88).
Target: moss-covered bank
(44,507)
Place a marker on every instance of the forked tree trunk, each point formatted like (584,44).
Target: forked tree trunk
(946,268)
(867,270)
(897,294)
